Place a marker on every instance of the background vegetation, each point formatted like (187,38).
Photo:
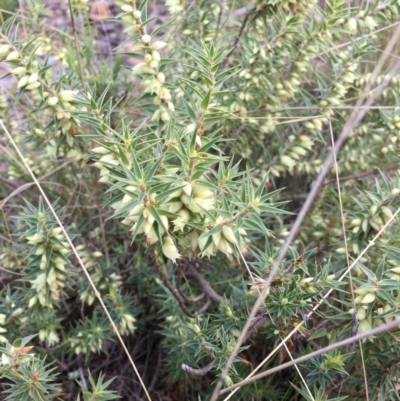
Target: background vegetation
(196,192)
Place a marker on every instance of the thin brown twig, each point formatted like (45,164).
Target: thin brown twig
(197,372)
(205,285)
(361,175)
(221,9)
(178,286)
(78,56)
(354,331)
(171,288)
(258,321)
(245,19)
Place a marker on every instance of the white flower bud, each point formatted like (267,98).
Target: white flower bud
(32,86)
(33,78)
(370,23)
(164,115)
(126,8)
(132,29)
(181,221)
(135,230)
(14,55)
(298,150)
(198,203)
(224,247)
(67,95)
(52,101)
(23,81)
(137,210)
(170,250)
(100,149)
(153,63)
(368,299)
(191,127)
(5,360)
(228,234)
(361,314)
(352,25)
(137,14)
(35,239)
(198,140)
(165,226)
(387,211)
(160,77)
(142,68)
(174,207)
(364,326)
(186,200)
(287,161)
(155,55)
(187,189)
(158,45)
(18,71)
(216,238)
(356,222)
(194,240)
(157,115)
(146,39)
(201,192)
(373,209)
(4,49)
(151,237)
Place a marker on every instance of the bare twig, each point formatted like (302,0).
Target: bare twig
(82,376)
(182,294)
(169,285)
(245,19)
(377,330)
(205,285)
(197,372)
(361,175)
(354,331)
(258,321)
(221,9)
(78,56)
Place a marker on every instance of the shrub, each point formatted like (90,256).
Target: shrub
(150,226)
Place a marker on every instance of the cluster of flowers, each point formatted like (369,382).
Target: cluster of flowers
(59,103)
(51,280)
(154,84)
(378,216)
(372,318)
(175,7)
(189,203)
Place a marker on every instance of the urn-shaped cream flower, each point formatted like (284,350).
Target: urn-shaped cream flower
(170,250)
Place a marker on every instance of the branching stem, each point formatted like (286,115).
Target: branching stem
(169,285)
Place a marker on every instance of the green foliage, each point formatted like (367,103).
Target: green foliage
(30,376)
(98,390)
(177,166)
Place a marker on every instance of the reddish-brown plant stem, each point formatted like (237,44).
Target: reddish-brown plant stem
(169,285)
